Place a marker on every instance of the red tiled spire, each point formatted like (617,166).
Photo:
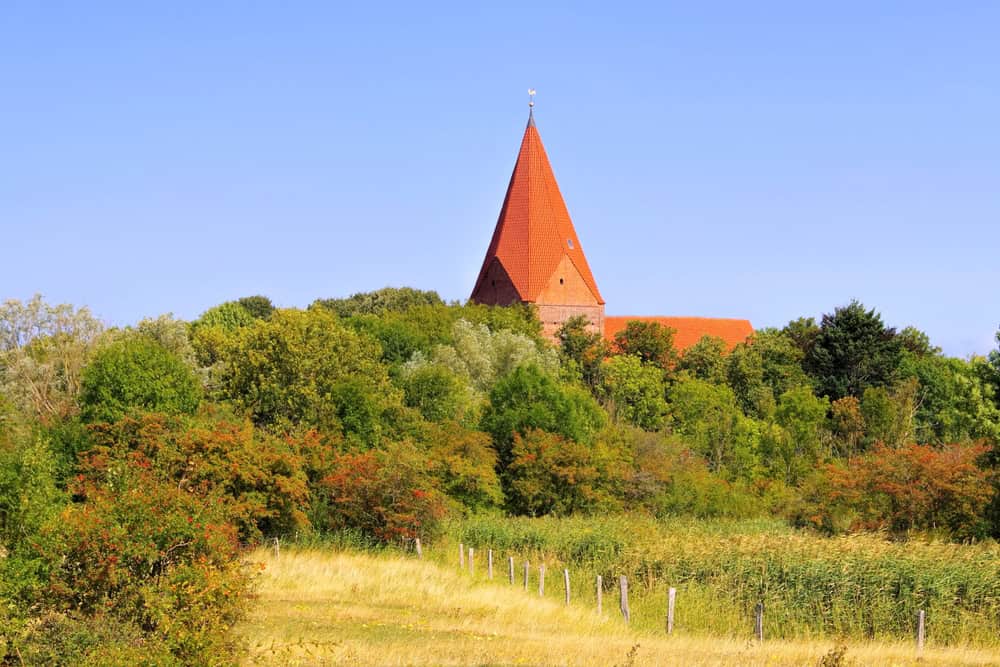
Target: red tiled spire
(534,230)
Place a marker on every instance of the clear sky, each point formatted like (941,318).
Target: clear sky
(746,159)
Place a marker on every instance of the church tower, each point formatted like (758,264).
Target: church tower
(535,255)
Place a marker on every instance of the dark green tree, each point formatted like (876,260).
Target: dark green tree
(854,350)
(705,360)
(387,299)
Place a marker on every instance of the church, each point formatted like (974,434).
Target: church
(536,257)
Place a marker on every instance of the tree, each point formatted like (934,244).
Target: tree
(387,299)
(853,350)
(954,402)
(528,398)
(889,414)
(708,418)
(803,333)
(172,334)
(463,463)
(259,307)
(799,446)
(847,425)
(582,349)
(435,391)
(43,350)
(304,367)
(705,360)
(652,342)
(549,474)
(136,373)
(913,487)
(634,392)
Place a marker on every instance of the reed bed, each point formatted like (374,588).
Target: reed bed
(860,586)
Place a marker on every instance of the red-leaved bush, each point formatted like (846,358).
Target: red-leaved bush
(914,487)
(386,495)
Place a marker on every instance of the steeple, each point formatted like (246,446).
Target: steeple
(535,255)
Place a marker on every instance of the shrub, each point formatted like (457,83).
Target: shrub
(386,494)
(915,487)
(258,478)
(136,372)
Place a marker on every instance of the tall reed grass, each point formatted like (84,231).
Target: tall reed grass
(859,586)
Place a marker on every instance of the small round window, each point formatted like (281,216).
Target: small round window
(569,242)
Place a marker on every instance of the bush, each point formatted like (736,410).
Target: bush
(259,479)
(136,372)
(150,556)
(385,494)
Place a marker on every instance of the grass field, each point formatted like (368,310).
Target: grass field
(319,606)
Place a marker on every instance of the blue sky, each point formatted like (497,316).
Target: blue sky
(760,160)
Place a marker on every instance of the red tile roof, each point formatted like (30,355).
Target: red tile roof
(534,230)
(689,330)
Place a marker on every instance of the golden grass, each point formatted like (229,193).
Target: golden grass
(324,608)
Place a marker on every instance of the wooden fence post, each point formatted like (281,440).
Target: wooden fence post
(472,568)
(758,624)
(566,585)
(510,570)
(489,563)
(420,552)
(600,593)
(541,579)
(671,597)
(623,601)
(920,631)
(277,549)
(461,555)
(527,568)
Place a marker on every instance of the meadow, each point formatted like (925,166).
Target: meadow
(321,606)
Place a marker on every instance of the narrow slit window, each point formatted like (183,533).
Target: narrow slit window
(569,242)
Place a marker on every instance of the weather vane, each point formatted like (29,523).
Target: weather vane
(531,97)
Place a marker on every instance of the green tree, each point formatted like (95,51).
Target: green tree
(635,392)
(954,403)
(803,333)
(652,342)
(889,413)
(705,360)
(304,367)
(709,419)
(260,307)
(136,373)
(854,350)
(528,398)
(387,299)
(582,349)
(800,446)
(435,391)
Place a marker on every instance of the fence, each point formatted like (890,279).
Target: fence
(466,559)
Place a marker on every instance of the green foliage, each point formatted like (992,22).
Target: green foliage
(172,334)
(652,342)
(634,392)
(954,403)
(853,350)
(582,349)
(857,586)
(480,356)
(527,398)
(888,415)
(228,316)
(799,446)
(705,360)
(304,367)
(136,373)
(379,302)
(29,496)
(436,391)
(707,416)
(259,307)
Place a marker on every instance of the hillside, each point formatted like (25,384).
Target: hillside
(324,607)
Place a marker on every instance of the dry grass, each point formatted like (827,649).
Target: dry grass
(319,608)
